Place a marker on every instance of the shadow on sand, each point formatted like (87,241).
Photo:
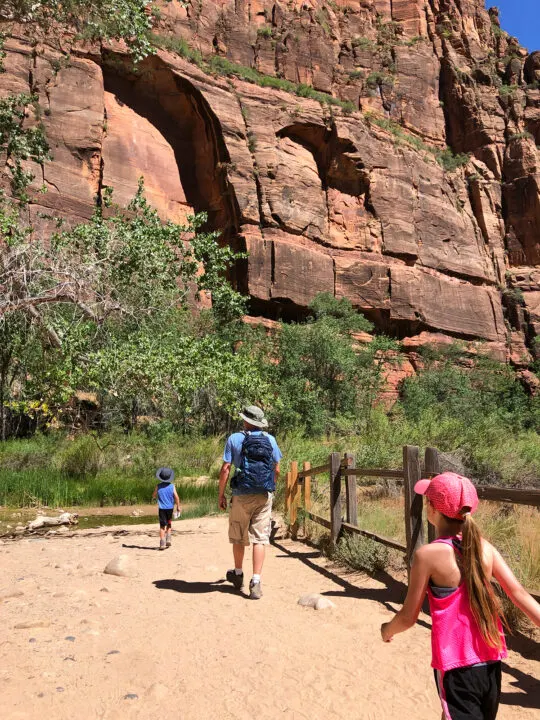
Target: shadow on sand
(395,591)
(198,587)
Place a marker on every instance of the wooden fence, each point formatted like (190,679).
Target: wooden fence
(343,469)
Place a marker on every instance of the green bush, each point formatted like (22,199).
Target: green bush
(265,31)
(81,458)
(361,553)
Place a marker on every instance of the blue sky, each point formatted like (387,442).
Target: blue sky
(520,18)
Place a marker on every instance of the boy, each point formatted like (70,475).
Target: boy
(167,498)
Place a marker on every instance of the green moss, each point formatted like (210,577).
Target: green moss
(265,31)
(506,90)
(222,66)
(363,43)
(446,158)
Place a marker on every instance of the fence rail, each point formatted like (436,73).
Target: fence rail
(338,468)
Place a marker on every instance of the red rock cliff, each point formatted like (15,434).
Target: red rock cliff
(323,199)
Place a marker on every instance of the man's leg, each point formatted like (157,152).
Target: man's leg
(238,554)
(258,558)
(238,537)
(259,532)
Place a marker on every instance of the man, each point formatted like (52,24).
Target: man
(255,456)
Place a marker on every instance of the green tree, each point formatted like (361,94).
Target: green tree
(19,142)
(129,20)
(103,298)
(324,376)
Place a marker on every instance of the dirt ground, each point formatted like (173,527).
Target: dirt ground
(176,640)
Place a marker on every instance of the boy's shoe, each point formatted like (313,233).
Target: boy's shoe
(169,542)
(255,590)
(162,545)
(236,580)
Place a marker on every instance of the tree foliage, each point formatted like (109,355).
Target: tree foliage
(103,305)
(129,20)
(20,141)
(325,380)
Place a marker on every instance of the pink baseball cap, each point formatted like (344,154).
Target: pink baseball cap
(449,493)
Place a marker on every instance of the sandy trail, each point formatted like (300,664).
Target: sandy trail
(176,640)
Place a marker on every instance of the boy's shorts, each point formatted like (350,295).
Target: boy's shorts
(470,693)
(249,519)
(165,517)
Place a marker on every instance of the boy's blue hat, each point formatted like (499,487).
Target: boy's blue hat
(165,474)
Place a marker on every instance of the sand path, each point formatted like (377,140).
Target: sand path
(176,640)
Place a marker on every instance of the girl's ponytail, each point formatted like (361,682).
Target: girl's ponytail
(485,606)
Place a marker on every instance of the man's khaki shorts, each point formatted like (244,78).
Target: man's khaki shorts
(250,518)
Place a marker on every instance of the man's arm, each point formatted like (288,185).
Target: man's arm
(276,473)
(154,494)
(223,479)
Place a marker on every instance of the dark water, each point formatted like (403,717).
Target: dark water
(94,521)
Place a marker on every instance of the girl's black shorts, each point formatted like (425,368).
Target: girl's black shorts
(470,693)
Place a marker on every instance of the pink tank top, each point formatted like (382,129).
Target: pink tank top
(456,640)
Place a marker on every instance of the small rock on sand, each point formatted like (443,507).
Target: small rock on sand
(315,601)
(119,566)
(35,624)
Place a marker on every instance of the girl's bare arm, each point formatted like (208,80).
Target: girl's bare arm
(514,589)
(408,615)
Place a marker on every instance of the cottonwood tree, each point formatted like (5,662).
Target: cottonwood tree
(103,298)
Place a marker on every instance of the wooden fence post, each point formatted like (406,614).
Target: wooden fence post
(350,485)
(288,492)
(307,487)
(294,499)
(414,528)
(432,466)
(335,496)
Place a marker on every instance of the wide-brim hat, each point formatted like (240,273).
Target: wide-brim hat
(254,416)
(451,494)
(165,474)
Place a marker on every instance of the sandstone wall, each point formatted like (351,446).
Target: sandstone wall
(322,200)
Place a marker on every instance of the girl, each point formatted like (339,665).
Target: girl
(467,640)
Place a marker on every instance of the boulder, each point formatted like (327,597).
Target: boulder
(316,601)
(120,566)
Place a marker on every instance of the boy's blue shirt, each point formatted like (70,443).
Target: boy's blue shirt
(165,495)
(233,447)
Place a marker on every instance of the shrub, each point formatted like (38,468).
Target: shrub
(361,553)
(375,79)
(265,31)
(451,162)
(506,90)
(363,43)
(82,458)
(521,136)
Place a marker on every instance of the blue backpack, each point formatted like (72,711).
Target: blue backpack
(256,472)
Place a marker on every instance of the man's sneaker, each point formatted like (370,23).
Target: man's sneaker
(162,545)
(169,541)
(236,580)
(255,590)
